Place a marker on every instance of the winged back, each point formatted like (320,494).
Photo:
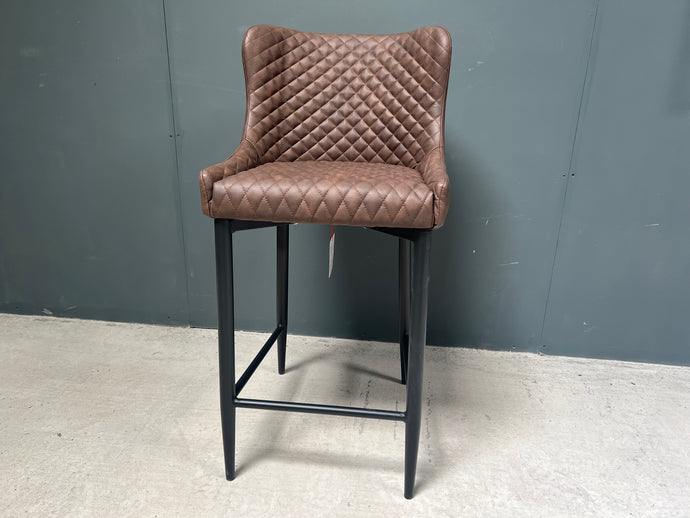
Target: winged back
(350,97)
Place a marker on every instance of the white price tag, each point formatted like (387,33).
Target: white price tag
(331,252)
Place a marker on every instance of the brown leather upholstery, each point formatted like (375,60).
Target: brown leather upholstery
(340,129)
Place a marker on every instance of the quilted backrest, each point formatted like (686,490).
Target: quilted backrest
(351,97)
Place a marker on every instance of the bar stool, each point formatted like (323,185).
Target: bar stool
(340,129)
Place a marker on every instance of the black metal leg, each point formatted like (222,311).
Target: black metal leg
(420,296)
(283,245)
(404,272)
(226,340)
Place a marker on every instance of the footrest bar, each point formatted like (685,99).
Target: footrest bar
(257,360)
(309,408)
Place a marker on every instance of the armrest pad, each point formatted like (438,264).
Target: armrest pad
(245,157)
(433,170)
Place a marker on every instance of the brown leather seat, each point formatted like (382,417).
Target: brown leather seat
(340,129)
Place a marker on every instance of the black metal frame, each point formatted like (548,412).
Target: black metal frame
(414,256)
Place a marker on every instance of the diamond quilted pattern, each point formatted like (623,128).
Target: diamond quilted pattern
(341,193)
(244,157)
(349,97)
(341,128)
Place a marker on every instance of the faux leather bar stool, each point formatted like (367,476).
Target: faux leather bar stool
(340,129)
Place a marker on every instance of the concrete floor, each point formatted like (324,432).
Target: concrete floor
(105,419)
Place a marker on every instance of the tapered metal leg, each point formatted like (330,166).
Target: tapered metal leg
(226,340)
(404,273)
(283,245)
(420,296)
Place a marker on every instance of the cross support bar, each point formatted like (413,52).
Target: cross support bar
(309,408)
(257,360)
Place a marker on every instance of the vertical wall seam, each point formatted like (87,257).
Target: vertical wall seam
(573,150)
(176,183)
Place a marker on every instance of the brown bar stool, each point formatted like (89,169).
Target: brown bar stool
(340,129)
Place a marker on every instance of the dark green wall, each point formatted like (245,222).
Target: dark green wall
(566,136)
(89,223)
(621,283)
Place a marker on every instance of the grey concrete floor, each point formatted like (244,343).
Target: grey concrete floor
(106,419)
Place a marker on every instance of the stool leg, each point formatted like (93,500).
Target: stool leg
(226,340)
(404,273)
(420,297)
(283,245)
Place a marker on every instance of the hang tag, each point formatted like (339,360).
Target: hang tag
(331,252)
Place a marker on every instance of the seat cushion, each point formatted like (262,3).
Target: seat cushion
(337,193)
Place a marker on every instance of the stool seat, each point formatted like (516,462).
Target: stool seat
(339,193)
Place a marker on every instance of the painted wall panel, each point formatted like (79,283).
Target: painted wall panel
(88,206)
(621,286)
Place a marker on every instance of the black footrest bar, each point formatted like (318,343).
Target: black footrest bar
(309,408)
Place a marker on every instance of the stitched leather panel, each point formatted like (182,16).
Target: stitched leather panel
(244,157)
(340,193)
(433,170)
(349,97)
